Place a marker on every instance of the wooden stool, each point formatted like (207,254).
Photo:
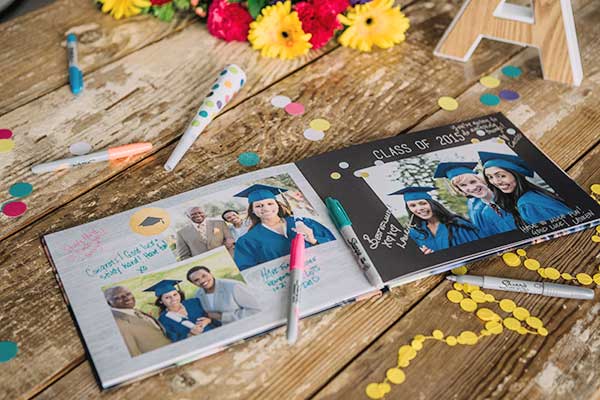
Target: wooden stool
(547,25)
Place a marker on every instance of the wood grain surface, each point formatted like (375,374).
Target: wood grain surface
(147,91)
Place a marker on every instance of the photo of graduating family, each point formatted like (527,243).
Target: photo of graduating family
(152,311)
(255,222)
(451,197)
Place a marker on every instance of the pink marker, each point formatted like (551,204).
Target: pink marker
(296,270)
(112,153)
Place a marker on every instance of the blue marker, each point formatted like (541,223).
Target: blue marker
(75,74)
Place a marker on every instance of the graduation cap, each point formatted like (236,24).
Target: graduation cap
(414,193)
(505,161)
(149,221)
(451,170)
(258,192)
(162,287)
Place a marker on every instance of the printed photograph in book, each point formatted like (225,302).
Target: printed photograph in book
(255,222)
(451,197)
(188,299)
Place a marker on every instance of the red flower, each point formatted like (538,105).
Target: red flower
(228,21)
(320,20)
(159,2)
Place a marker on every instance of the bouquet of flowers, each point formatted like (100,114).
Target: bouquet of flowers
(283,28)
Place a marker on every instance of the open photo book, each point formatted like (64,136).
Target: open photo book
(184,277)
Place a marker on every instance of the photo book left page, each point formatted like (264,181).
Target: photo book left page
(181,278)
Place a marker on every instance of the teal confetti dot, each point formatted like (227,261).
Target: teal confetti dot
(20,189)
(511,71)
(209,103)
(223,72)
(249,159)
(8,350)
(215,87)
(203,114)
(195,122)
(489,99)
(233,69)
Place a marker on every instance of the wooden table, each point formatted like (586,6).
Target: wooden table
(143,81)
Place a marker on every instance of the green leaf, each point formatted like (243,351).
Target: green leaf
(182,4)
(164,12)
(254,7)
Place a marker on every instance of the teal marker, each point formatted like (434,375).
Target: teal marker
(344,225)
(75,74)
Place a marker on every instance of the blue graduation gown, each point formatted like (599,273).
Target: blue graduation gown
(487,220)
(535,207)
(440,241)
(175,331)
(261,244)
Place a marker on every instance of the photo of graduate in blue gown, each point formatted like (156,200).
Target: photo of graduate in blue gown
(488,217)
(432,226)
(528,203)
(272,228)
(179,317)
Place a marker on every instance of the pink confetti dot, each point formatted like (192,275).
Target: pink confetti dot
(294,109)
(5,133)
(14,208)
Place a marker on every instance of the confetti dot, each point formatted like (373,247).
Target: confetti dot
(320,124)
(335,175)
(451,341)
(6,145)
(447,103)
(480,132)
(406,352)
(228,84)
(598,229)
(8,350)
(490,81)
(5,133)
(475,140)
(385,388)
(457,286)
(227,98)
(223,72)
(596,279)
(280,101)
(485,314)
(314,135)
(374,391)
(416,344)
(596,238)
(80,148)
(521,252)
(534,322)
(509,95)
(511,259)
(248,159)
(395,375)
(584,279)
(595,188)
(343,165)
(294,109)
(511,131)
(420,337)
(531,264)
(511,323)
(438,334)
(460,270)
(511,71)
(209,103)
(210,94)
(14,208)
(468,338)
(468,305)
(203,114)
(20,189)
(378,162)
(488,99)
(195,122)
(494,327)
(542,272)
(567,276)
(507,305)
(478,296)
(215,86)
(520,313)
(219,104)
(552,273)
(542,331)
(233,69)
(454,296)
(522,331)
(489,298)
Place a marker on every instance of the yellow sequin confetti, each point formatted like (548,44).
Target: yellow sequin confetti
(511,323)
(416,344)
(598,229)
(468,305)
(395,375)
(485,314)
(542,331)
(521,252)
(490,81)
(596,279)
(468,338)
(490,298)
(534,322)
(520,313)
(374,391)
(552,273)
(385,388)
(460,270)
(335,175)
(451,341)
(596,238)
(494,327)
(507,305)
(595,188)
(478,296)
(454,296)
(531,264)
(567,276)
(438,334)
(6,145)
(320,124)
(457,286)
(447,103)
(522,331)
(583,278)
(542,272)
(511,259)
(419,337)
(475,140)
(407,352)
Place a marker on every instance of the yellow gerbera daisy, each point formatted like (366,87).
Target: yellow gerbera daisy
(375,23)
(278,32)
(124,8)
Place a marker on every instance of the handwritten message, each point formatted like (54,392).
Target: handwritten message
(277,278)
(576,217)
(125,260)
(387,234)
(85,246)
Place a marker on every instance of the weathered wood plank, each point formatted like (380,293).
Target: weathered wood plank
(563,365)
(328,87)
(33,60)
